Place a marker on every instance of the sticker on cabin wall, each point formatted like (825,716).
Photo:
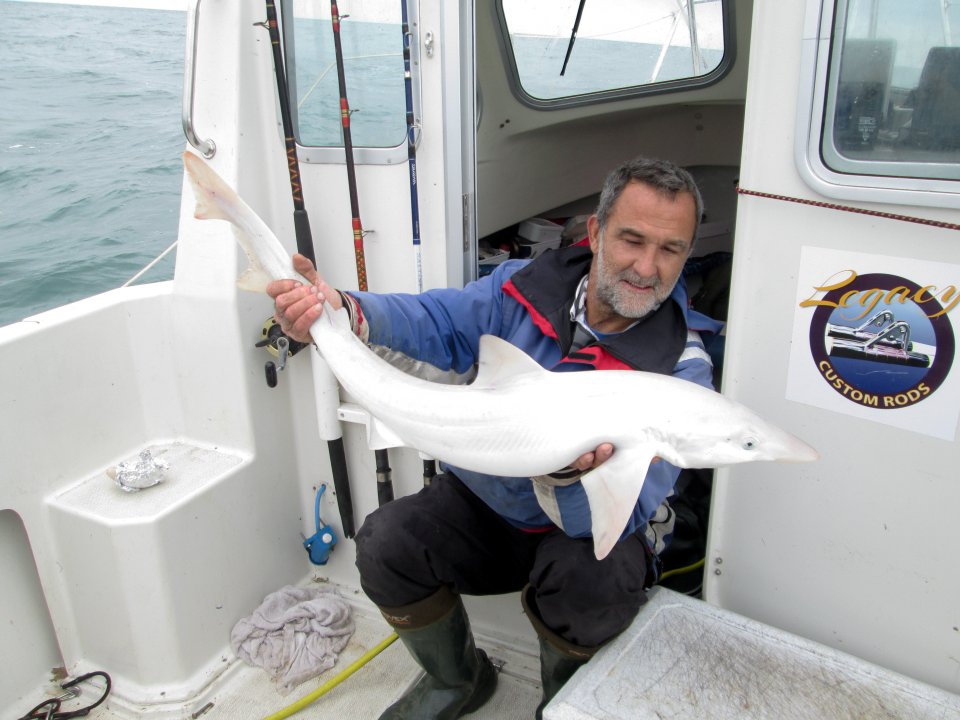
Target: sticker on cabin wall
(873,337)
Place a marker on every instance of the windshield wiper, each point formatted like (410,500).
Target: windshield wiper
(573,36)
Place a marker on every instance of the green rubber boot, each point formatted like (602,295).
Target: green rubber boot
(559,659)
(459,677)
(556,667)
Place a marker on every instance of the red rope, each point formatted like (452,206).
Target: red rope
(848,208)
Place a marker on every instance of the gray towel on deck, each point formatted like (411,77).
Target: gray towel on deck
(295,634)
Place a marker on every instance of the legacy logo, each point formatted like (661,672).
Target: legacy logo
(880,340)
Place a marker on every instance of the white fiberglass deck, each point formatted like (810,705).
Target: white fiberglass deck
(247,693)
(681,658)
(371,689)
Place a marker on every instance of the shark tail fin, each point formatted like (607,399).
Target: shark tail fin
(206,185)
(253,279)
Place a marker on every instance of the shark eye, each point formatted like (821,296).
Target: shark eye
(750,444)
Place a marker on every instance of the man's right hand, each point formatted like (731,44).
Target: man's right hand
(297,306)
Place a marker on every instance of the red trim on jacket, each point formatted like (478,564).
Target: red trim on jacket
(597,357)
(545,289)
(539,320)
(539,530)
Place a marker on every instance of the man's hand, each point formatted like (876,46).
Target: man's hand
(571,474)
(297,306)
(590,460)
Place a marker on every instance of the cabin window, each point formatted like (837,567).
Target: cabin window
(894,90)
(372,42)
(576,51)
(887,83)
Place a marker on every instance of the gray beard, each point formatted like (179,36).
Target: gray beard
(607,290)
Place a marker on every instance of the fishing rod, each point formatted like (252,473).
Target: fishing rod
(301,221)
(411,143)
(429,466)
(348,150)
(384,481)
(322,377)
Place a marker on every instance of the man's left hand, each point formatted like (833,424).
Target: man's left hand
(590,460)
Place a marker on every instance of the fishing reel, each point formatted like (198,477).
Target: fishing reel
(278,345)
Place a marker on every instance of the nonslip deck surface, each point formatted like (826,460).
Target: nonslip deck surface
(249,694)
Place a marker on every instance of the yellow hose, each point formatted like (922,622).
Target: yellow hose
(679,571)
(383,645)
(332,683)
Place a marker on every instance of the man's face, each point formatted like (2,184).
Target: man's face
(639,256)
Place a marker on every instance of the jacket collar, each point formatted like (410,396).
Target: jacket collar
(547,286)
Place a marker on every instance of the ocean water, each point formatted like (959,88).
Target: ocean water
(90,143)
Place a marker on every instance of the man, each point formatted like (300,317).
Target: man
(616,304)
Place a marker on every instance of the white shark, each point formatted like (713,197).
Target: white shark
(514,419)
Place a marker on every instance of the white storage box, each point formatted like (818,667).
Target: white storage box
(683,658)
(536,230)
(539,235)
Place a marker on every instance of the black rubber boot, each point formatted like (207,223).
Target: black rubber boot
(556,667)
(559,659)
(459,677)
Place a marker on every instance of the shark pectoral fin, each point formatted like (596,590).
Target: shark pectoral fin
(612,491)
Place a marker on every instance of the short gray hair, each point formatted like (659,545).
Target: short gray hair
(665,177)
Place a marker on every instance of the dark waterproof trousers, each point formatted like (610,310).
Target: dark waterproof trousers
(446,536)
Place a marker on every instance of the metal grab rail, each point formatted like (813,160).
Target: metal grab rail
(207,148)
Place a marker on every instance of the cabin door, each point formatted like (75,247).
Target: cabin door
(843,321)
(401,81)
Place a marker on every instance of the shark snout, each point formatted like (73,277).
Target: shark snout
(792,449)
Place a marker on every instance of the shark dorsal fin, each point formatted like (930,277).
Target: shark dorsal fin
(500,361)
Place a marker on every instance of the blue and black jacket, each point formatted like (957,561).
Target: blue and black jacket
(528,304)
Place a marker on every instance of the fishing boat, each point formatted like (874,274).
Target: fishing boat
(421,142)
(891,344)
(864,332)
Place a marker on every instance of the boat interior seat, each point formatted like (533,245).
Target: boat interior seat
(863,91)
(936,101)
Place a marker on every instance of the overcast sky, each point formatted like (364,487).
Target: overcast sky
(602,19)
(147,4)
